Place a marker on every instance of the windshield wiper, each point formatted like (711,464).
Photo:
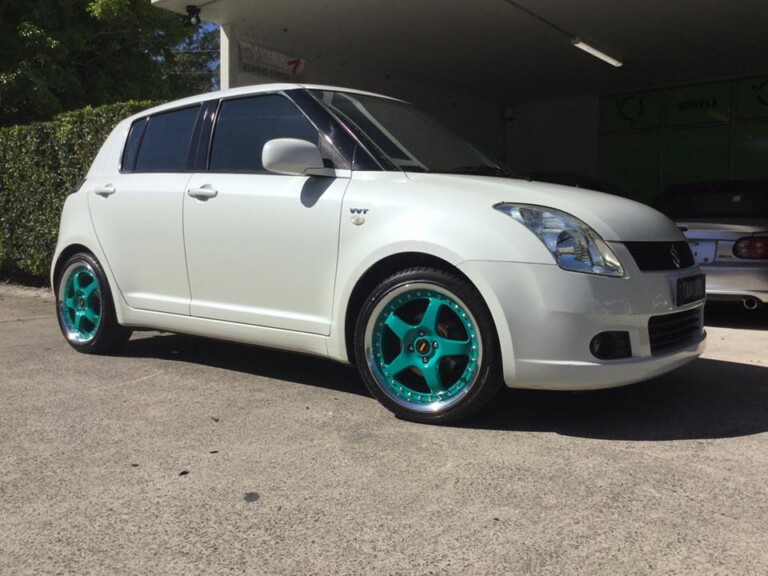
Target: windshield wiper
(480,171)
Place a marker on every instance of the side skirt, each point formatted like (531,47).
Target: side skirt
(301,342)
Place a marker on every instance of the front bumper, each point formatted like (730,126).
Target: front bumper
(546,317)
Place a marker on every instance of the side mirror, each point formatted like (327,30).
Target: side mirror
(291,156)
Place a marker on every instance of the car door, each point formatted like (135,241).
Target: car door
(137,213)
(261,248)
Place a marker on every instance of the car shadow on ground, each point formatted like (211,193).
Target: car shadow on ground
(731,315)
(704,399)
(287,366)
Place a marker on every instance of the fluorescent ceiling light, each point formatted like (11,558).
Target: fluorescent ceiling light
(595,52)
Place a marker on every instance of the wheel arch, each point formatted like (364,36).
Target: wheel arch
(380,270)
(62,257)
(82,245)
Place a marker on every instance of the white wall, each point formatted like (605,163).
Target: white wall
(555,136)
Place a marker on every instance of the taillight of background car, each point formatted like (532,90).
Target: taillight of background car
(753,247)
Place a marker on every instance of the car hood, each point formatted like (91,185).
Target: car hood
(616,219)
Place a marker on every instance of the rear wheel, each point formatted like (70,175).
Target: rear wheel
(426,346)
(85,308)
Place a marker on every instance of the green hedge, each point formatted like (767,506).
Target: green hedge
(39,164)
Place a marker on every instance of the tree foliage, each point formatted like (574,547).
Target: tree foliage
(39,164)
(58,55)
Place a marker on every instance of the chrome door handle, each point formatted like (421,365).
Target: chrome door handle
(104,191)
(203,193)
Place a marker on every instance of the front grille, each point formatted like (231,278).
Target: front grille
(657,256)
(673,330)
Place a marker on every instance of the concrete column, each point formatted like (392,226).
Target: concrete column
(228,71)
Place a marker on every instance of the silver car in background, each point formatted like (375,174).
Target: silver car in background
(726,224)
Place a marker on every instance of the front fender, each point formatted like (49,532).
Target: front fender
(388,214)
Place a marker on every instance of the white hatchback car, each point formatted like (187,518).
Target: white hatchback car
(350,225)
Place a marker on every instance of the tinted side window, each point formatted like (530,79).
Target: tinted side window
(131,150)
(165,145)
(246,124)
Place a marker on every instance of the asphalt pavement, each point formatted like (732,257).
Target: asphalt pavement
(189,456)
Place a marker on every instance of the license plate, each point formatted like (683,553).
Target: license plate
(690,289)
(703,250)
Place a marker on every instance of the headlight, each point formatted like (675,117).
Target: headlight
(574,245)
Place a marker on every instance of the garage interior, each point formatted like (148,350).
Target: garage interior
(688,104)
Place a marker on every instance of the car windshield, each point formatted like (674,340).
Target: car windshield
(404,138)
(723,200)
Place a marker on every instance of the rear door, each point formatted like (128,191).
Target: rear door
(137,213)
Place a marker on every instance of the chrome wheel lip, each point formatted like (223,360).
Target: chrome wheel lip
(72,334)
(381,379)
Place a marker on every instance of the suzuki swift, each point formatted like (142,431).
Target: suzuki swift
(352,226)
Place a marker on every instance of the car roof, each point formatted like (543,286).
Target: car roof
(247,91)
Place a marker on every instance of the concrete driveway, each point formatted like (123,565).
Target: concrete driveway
(188,456)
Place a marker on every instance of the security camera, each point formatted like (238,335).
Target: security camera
(193,15)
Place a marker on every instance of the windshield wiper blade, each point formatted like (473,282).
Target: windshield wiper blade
(480,171)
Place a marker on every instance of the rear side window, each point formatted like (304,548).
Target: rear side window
(131,150)
(161,142)
(246,124)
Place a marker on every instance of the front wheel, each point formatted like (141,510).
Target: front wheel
(426,346)
(85,308)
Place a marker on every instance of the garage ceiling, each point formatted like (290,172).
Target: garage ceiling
(514,51)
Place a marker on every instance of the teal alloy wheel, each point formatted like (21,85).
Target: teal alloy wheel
(85,308)
(425,347)
(80,304)
(425,344)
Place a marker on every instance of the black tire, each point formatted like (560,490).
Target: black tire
(85,308)
(426,347)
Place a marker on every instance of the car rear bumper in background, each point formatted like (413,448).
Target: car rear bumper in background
(732,282)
